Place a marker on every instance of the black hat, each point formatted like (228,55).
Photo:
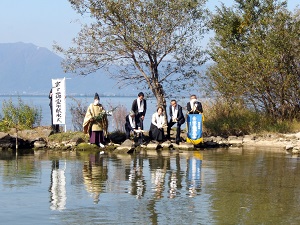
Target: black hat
(96,96)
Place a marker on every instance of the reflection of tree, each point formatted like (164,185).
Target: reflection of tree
(23,171)
(137,185)
(194,174)
(94,175)
(58,194)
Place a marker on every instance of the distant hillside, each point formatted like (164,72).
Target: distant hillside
(28,69)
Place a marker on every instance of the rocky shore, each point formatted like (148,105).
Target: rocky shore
(43,138)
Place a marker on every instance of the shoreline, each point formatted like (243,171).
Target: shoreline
(43,138)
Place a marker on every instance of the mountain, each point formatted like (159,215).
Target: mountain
(28,69)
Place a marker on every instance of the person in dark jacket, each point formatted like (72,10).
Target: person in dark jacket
(194,106)
(176,117)
(131,124)
(139,107)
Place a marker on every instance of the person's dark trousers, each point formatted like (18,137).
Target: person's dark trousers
(170,124)
(127,131)
(141,125)
(140,121)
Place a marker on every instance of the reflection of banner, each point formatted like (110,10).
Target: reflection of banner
(194,173)
(59,100)
(194,126)
(58,188)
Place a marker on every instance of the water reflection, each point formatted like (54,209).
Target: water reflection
(194,173)
(168,187)
(58,194)
(135,177)
(94,175)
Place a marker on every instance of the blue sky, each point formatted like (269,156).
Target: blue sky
(42,22)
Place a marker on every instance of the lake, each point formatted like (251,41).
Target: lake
(108,102)
(223,186)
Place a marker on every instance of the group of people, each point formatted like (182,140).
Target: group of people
(96,125)
(134,121)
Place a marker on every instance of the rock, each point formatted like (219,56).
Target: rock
(77,140)
(185,146)
(125,147)
(152,145)
(236,142)
(117,137)
(39,144)
(289,147)
(165,145)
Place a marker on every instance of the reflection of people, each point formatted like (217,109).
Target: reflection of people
(139,106)
(95,122)
(131,124)
(176,117)
(194,106)
(95,176)
(157,123)
(55,127)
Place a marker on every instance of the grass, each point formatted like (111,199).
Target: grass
(235,119)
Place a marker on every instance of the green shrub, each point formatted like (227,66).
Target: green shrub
(20,115)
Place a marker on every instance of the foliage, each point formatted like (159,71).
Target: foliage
(119,118)
(20,115)
(225,118)
(156,44)
(256,55)
(78,110)
(104,114)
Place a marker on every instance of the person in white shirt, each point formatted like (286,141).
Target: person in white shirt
(156,132)
(177,117)
(139,107)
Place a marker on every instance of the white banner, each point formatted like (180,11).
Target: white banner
(59,100)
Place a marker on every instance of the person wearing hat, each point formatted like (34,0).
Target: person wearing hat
(131,124)
(139,107)
(95,122)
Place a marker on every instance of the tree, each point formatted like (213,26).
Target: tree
(155,43)
(256,55)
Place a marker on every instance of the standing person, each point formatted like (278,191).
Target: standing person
(156,132)
(177,116)
(95,122)
(55,127)
(194,106)
(139,106)
(130,124)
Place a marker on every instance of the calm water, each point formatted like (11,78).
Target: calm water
(208,187)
